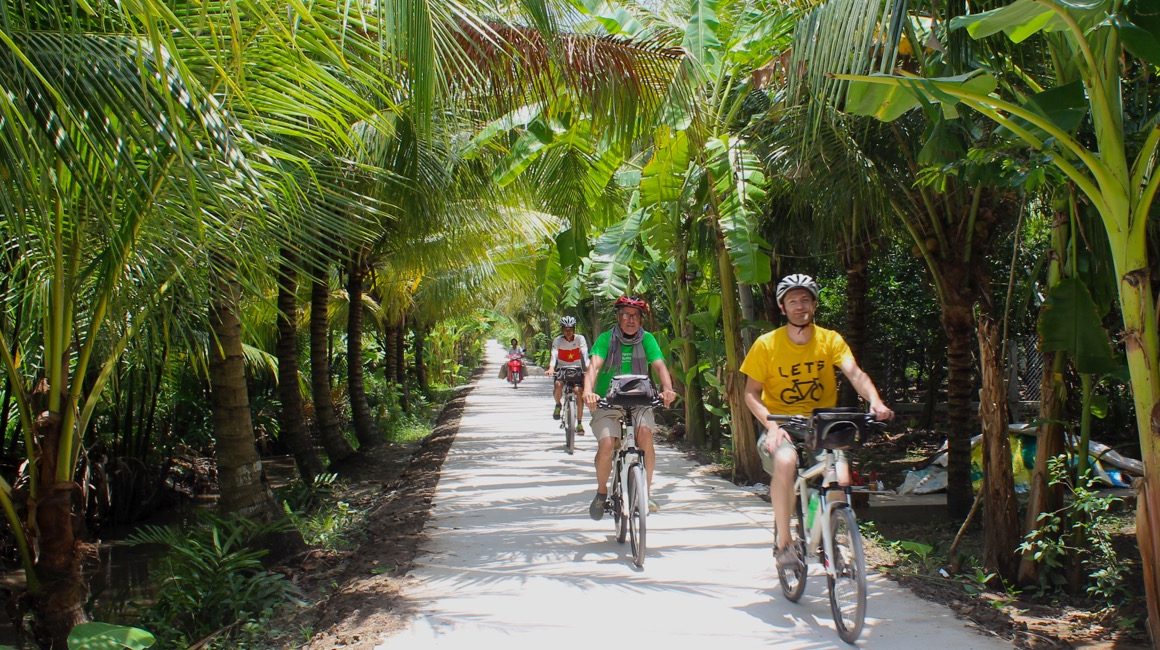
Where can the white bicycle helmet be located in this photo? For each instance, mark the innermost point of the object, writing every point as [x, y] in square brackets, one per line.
[796, 281]
[568, 321]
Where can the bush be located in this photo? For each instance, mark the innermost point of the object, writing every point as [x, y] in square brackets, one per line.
[212, 579]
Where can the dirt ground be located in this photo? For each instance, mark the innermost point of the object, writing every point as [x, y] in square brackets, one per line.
[356, 597]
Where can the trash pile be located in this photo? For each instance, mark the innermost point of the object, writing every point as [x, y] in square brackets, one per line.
[1109, 466]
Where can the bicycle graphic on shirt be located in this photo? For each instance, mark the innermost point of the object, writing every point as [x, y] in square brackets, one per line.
[802, 389]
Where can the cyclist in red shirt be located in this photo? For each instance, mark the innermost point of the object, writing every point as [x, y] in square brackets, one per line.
[569, 350]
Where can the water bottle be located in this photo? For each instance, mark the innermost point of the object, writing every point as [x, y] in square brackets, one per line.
[815, 503]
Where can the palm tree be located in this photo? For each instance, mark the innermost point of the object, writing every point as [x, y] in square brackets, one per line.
[326, 420]
[120, 135]
[292, 416]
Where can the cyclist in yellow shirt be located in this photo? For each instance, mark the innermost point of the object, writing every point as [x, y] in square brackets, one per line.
[790, 371]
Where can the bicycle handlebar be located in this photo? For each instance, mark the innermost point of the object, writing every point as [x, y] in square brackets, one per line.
[654, 403]
[806, 420]
[799, 426]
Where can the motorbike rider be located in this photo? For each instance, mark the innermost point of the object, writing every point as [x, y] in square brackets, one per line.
[517, 352]
[569, 350]
[778, 364]
[632, 351]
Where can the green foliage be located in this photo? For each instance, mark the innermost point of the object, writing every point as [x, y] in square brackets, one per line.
[324, 527]
[1071, 323]
[1079, 530]
[211, 578]
[105, 636]
[300, 496]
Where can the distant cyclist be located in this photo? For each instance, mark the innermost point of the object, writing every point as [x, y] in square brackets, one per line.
[569, 350]
[630, 350]
[791, 371]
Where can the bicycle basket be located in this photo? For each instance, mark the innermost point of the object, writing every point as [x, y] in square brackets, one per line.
[631, 390]
[837, 428]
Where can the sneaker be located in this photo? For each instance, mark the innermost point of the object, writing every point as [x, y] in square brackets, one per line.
[652, 505]
[556, 412]
[579, 429]
[788, 557]
[596, 508]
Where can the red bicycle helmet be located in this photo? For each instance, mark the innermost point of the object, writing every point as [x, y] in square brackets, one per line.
[631, 301]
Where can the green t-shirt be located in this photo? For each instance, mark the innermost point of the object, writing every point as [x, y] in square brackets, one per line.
[652, 352]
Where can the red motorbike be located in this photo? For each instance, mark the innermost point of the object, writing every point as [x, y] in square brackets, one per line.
[515, 367]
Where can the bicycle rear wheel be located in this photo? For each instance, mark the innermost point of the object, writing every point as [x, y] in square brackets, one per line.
[793, 579]
[848, 580]
[637, 512]
[569, 421]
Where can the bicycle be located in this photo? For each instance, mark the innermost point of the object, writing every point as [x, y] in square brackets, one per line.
[833, 536]
[571, 377]
[628, 496]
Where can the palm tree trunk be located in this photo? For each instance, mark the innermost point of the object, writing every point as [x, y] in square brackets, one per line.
[325, 418]
[242, 483]
[59, 590]
[1043, 497]
[401, 365]
[748, 315]
[292, 417]
[389, 354]
[364, 426]
[693, 396]
[958, 324]
[1000, 511]
[857, 287]
[420, 363]
[746, 462]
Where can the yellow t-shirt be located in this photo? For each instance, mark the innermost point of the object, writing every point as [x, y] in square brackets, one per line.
[796, 379]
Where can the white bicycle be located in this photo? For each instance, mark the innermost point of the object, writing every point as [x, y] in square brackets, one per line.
[628, 496]
[823, 525]
[571, 378]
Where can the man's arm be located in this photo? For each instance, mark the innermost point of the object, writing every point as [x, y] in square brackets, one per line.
[775, 435]
[865, 387]
[667, 393]
[594, 364]
[552, 362]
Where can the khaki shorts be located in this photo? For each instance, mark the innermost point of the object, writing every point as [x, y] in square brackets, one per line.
[606, 422]
[767, 458]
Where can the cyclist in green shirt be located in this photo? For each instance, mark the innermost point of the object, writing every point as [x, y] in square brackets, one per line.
[638, 352]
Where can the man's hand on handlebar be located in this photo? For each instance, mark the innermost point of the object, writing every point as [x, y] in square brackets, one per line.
[881, 412]
[667, 396]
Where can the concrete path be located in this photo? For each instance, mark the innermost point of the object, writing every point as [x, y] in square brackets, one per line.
[515, 562]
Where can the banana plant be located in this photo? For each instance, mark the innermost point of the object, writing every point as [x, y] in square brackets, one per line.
[1118, 174]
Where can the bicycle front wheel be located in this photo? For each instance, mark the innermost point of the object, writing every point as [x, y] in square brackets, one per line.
[569, 423]
[793, 578]
[618, 507]
[637, 512]
[848, 579]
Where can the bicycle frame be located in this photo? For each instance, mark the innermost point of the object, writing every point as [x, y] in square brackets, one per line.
[841, 553]
[820, 533]
[627, 455]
